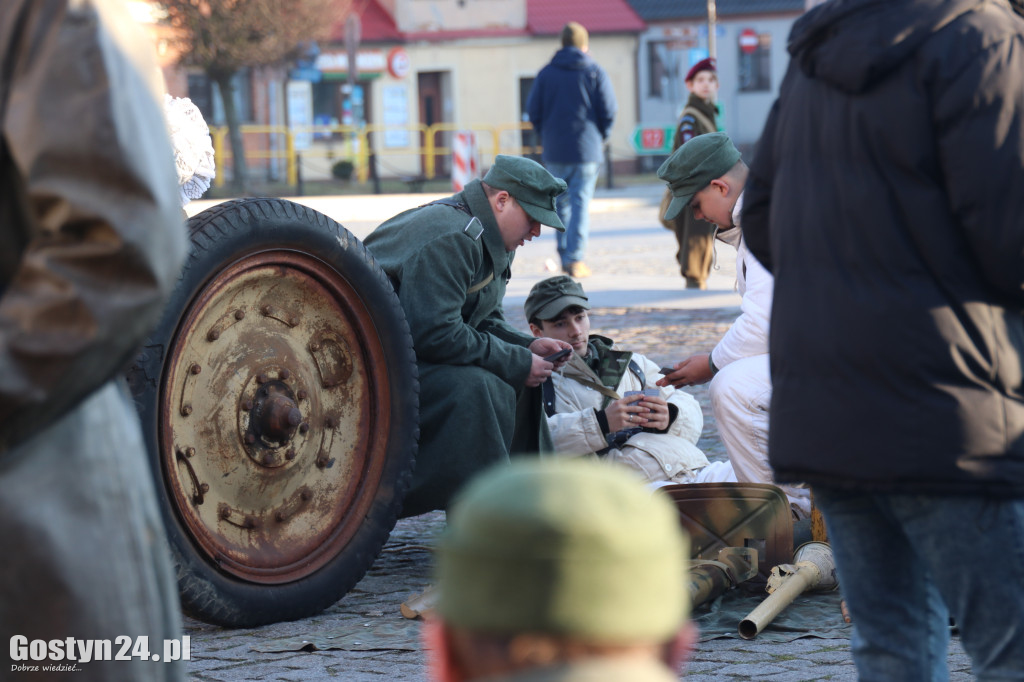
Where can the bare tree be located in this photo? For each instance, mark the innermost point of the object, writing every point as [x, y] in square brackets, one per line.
[224, 36]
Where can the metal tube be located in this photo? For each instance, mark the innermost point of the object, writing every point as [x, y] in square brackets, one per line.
[806, 576]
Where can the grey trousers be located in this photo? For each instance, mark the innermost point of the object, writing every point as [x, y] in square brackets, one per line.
[82, 547]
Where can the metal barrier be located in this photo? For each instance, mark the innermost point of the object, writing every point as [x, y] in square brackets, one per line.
[356, 145]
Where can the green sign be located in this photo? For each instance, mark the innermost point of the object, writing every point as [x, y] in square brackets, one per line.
[653, 139]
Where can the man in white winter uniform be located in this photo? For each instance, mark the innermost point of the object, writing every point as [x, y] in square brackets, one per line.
[707, 174]
[589, 406]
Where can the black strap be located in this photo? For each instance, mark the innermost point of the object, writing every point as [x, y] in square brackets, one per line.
[639, 373]
[450, 201]
[547, 390]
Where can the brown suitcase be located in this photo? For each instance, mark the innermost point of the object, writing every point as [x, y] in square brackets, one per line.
[718, 515]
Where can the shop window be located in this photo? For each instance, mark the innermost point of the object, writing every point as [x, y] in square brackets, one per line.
[206, 95]
[755, 66]
[657, 73]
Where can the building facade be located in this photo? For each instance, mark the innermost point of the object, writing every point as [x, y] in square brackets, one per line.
[749, 46]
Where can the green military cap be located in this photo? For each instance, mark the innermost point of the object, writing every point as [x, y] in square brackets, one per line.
[551, 296]
[694, 165]
[532, 186]
[563, 546]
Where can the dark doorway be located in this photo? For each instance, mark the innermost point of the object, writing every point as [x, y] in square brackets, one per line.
[431, 97]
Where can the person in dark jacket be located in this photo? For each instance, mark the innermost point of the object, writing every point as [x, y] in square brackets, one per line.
[572, 107]
[885, 196]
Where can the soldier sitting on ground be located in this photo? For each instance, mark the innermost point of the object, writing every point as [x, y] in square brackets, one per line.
[449, 262]
[560, 570]
[587, 403]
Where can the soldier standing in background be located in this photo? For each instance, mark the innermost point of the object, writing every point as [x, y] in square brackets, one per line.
[696, 237]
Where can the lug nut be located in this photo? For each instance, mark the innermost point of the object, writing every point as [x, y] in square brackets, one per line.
[314, 346]
[267, 310]
[268, 458]
[261, 379]
[204, 488]
[284, 374]
[239, 314]
[195, 368]
[190, 452]
[213, 335]
[250, 438]
[247, 405]
[290, 454]
[300, 394]
[303, 427]
[186, 410]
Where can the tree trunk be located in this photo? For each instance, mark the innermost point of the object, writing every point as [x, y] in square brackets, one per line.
[226, 85]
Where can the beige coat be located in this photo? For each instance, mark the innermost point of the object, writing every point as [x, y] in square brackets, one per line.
[91, 241]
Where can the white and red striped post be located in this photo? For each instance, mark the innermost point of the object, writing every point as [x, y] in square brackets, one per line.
[465, 160]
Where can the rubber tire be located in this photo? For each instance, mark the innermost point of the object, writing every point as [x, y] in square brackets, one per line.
[221, 235]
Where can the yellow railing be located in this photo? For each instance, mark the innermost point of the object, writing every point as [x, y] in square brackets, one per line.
[280, 144]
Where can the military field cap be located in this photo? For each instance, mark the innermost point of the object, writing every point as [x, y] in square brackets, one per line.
[694, 165]
[565, 547]
[551, 296]
[530, 184]
[707, 64]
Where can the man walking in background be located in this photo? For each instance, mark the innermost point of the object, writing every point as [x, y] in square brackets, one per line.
[572, 107]
[885, 198]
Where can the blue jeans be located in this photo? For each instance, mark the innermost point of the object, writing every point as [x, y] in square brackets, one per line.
[908, 562]
[573, 207]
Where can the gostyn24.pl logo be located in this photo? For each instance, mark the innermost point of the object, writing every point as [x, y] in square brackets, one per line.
[66, 654]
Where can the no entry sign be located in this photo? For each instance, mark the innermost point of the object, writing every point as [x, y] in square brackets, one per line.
[748, 40]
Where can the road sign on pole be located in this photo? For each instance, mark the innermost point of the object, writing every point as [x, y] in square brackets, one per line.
[650, 139]
[748, 40]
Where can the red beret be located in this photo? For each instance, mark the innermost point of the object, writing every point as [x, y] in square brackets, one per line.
[707, 64]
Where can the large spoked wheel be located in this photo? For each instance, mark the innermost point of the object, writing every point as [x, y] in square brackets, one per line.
[279, 400]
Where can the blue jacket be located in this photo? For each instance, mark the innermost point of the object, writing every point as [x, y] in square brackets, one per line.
[572, 107]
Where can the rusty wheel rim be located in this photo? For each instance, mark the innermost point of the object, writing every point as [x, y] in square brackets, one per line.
[274, 413]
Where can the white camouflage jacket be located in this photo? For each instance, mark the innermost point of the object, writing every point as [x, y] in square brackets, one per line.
[576, 431]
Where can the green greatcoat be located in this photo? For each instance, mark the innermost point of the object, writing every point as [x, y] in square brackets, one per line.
[449, 265]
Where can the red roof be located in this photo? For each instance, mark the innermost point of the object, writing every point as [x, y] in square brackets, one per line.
[547, 17]
[377, 24]
[543, 17]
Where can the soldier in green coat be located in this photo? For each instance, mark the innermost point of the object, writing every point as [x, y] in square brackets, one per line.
[449, 262]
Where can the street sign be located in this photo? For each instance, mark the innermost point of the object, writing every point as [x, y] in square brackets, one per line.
[653, 139]
[748, 40]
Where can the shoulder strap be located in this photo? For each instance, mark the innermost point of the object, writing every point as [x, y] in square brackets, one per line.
[701, 118]
[639, 373]
[547, 390]
[480, 285]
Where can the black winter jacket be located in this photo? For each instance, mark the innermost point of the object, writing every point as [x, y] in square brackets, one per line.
[887, 197]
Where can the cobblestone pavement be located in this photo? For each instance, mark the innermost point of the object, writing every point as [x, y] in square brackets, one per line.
[631, 255]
